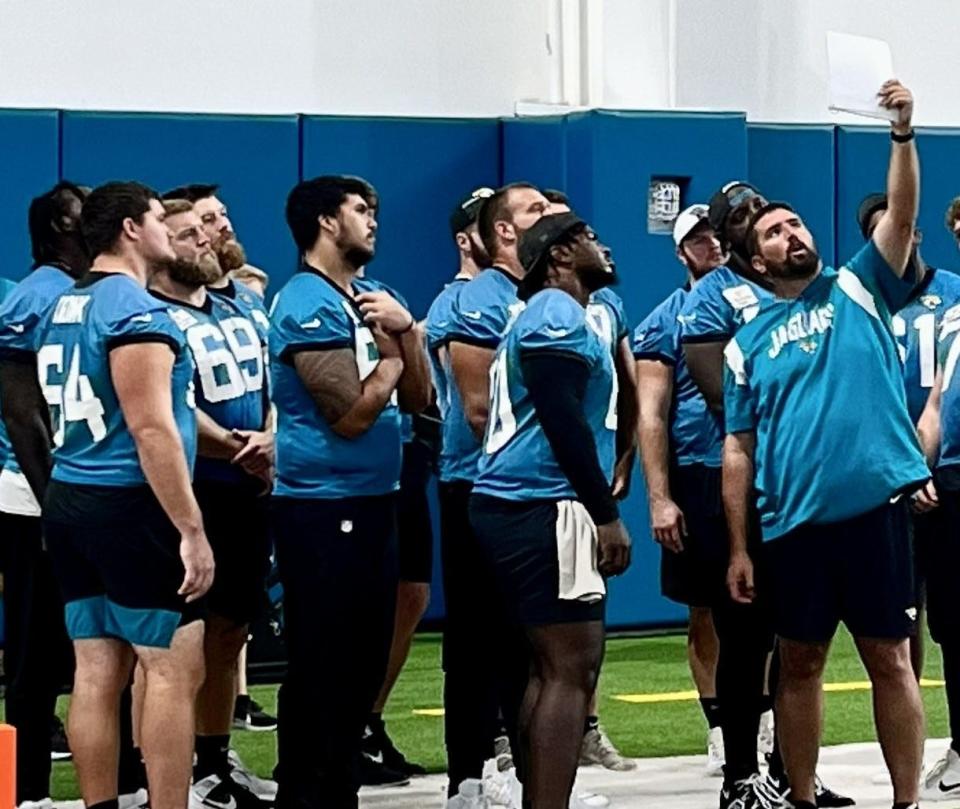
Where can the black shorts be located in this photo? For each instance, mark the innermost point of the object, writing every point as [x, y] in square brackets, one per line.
[116, 556]
[235, 520]
[697, 575]
[858, 571]
[520, 540]
[414, 531]
[938, 552]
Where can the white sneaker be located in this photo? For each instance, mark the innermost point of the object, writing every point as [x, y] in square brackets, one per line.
[588, 800]
[132, 800]
[766, 735]
[263, 788]
[943, 780]
[44, 803]
[715, 753]
[596, 748]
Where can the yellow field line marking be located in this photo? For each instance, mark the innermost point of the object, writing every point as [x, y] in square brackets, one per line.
[685, 696]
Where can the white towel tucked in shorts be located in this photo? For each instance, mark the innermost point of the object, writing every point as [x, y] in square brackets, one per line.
[577, 554]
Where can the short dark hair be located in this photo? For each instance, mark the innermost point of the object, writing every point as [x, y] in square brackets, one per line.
[321, 196]
[192, 191]
[105, 209]
[43, 219]
[493, 210]
[557, 197]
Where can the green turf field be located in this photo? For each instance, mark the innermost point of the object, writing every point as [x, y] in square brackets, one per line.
[632, 666]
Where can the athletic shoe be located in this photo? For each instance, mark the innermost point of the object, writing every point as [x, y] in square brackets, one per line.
[263, 788]
[502, 753]
[826, 797]
[59, 746]
[44, 803]
[598, 749]
[376, 741]
[374, 773]
[750, 793]
[217, 792]
[588, 800]
[715, 754]
[248, 714]
[765, 737]
[943, 780]
[133, 800]
[501, 788]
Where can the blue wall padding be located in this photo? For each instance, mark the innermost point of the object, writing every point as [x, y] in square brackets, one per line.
[863, 154]
[29, 143]
[254, 158]
[421, 167]
[795, 164]
[604, 161]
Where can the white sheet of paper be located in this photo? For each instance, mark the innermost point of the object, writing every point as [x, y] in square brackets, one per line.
[858, 68]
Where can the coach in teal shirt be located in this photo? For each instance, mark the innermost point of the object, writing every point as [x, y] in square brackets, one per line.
[817, 423]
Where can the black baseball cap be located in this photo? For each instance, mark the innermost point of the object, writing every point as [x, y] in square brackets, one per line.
[726, 199]
[870, 204]
[535, 245]
[467, 210]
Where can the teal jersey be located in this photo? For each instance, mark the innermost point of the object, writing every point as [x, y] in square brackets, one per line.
[819, 379]
[248, 301]
[21, 316]
[229, 354]
[101, 312]
[459, 448]
[948, 352]
[607, 310]
[517, 462]
[6, 287]
[695, 436]
[484, 308]
[311, 313]
[719, 305]
[916, 327]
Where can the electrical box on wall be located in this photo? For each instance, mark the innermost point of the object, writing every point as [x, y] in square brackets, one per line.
[664, 202]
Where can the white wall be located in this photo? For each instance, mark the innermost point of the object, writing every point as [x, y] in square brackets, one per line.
[462, 57]
[768, 57]
[388, 57]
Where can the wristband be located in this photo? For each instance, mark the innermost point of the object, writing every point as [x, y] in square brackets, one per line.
[902, 138]
[413, 322]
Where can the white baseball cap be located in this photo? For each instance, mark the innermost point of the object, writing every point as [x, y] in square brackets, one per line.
[687, 220]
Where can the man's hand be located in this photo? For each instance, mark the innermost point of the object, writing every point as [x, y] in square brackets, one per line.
[925, 498]
[894, 96]
[257, 453]
[613, 548]
[740, 579]
[667, 523]
[383, 310]
[197, 558]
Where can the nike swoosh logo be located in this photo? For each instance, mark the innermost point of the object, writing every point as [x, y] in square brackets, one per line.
[17, 327]
[555, 333]
[476, 315]
[311, 324]
[142, 318]
[947, 787]
[378, 758]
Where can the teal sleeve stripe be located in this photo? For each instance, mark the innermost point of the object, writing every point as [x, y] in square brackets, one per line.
[98, 617]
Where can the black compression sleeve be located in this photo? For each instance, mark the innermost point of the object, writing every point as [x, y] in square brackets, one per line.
[557, 383]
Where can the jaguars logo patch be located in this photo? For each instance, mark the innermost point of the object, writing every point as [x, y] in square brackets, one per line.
[931, 301]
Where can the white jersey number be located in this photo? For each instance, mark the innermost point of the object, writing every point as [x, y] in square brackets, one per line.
[72, 399]
[502, 422]
[926, 326]
[218, 354]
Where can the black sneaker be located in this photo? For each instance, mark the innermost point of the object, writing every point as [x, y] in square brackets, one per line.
[749, 793]
[249, 715]
[376, 740]
[374, 773]
[221, 792]
[826, 797]
[59, 746]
